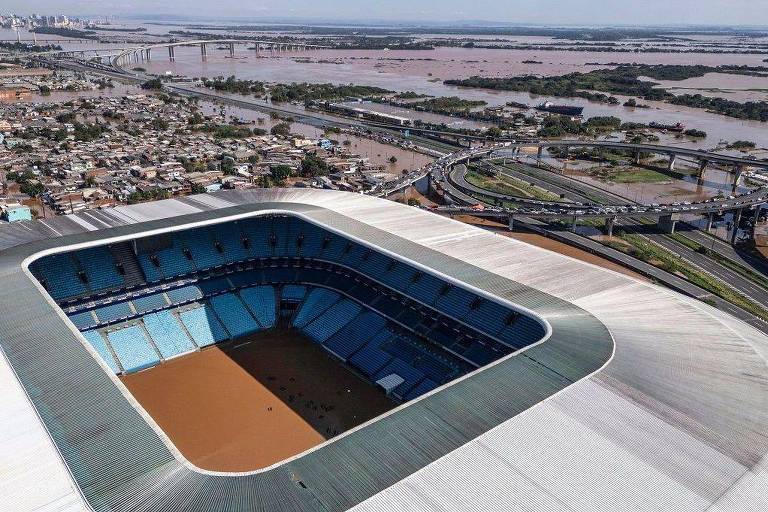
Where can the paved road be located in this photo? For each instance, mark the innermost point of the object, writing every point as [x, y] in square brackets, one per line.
[577, 191]
[735, 280]
[756, 263]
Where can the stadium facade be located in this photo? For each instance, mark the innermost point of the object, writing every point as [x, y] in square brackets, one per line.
[558, 386]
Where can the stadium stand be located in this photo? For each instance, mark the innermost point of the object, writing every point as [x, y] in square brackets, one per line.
[370, 359]
[293, 293]
[59, 275]
[381, 316]
[355, 334]
[150, 303]
[132, 348]
[170, 339]
[234, 315]
[114, 312]
[203, 326]
[261, 301]
[330, 321]
[317, 301]
[96, 340]
[100, 269]
[84, 320]
[184, 294]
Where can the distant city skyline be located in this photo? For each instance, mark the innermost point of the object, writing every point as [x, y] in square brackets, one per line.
[550, 12]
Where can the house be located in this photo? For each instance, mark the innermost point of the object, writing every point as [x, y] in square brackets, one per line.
[14, 212]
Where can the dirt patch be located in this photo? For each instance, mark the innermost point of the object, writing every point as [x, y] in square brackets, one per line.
[549, 244]
[573, 252]
[255, 402]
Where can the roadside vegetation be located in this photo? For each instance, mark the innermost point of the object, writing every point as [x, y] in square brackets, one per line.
[638, 247]
[508, 185]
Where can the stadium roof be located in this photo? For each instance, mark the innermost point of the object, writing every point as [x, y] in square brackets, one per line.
[640, 399]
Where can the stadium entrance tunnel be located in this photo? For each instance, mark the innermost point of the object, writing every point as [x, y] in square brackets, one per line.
[233, 336]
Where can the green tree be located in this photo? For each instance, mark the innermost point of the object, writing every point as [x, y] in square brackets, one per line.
[281, 129]
[312, 165]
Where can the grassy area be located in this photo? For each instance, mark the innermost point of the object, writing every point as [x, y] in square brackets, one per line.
[509, 186]
[638, 247]
[743, 271]
[628, 175]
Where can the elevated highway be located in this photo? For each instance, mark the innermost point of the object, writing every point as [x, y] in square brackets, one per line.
[450, 174]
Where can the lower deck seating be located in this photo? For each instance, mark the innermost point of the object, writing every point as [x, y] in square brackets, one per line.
[96, 340]
[184, 294]
[233, 314]
[168, 335]
[150, 303]
[370, 359]
[84, 321]
[317, 301]
[293, 293]
[261, 302]
[133, 348]
[203, 326]
[355, 334]
[330, 321]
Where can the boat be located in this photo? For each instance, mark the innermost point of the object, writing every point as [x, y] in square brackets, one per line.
[565, 110]
[677, 127]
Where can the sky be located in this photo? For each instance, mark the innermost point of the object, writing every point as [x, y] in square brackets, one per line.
[577, 12]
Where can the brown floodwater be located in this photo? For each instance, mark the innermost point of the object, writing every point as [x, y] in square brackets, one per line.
[424, 72]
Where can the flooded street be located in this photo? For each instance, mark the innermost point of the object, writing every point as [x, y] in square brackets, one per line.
[423, 71]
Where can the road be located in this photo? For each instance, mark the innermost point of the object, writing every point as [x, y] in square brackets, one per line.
[577, 191]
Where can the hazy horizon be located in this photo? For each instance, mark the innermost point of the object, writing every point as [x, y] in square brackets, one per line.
[544, 12]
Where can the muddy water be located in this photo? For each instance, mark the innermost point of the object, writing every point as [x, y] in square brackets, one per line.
[376, 152]
[424, 72]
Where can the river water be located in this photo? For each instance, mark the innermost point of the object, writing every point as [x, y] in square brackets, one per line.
[424, 72]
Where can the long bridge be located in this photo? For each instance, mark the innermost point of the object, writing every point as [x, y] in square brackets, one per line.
[142, 53]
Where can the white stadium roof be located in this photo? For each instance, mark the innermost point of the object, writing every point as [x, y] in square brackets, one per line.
[676, 419]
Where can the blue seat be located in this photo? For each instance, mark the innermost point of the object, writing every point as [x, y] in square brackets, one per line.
[355, 334]
[455, 302]
[216, 285]
[184, 294]
[170, 339]
[133, 348]
[149, 303]
[370, 359]
[329, 322]
[258, 231]
[293, 293]
[96, 340]
[151, 272]
[234, 315]
[481, 354]
[200, 244]
[84, 320]
[203, 326]
[100, 268]
[317, 301]
[261, 301]
[114, 312]
[231, 240]
[60, 275]
[522, 332]
[399, 367]
[425, 289]
[422, 388]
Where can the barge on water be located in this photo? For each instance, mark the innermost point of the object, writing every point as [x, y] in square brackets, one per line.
[564, 110]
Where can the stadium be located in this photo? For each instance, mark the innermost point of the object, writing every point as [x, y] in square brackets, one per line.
[301, 350]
